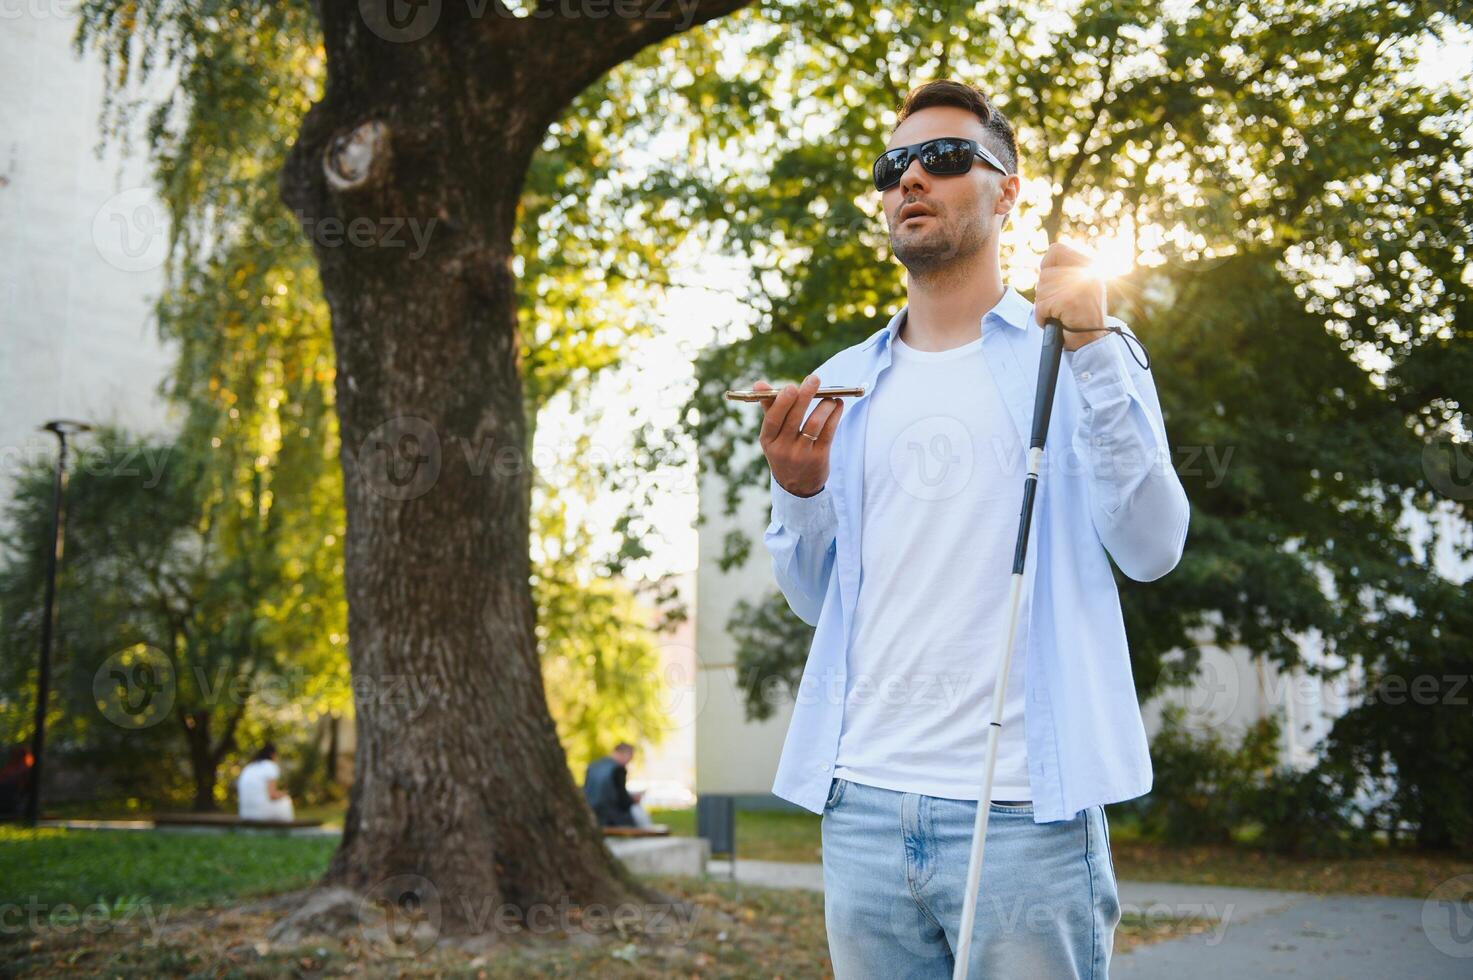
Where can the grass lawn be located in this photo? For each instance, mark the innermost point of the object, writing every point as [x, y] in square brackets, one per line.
[784, 836]
[149, 904]
[80, 867]
[779, 835]
[1393, 873]
[763, 835]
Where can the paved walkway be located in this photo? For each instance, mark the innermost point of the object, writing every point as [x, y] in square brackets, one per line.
[1254, 933]
[1344, 937]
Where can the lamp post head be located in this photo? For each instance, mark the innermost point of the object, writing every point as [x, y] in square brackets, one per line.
[66, 427]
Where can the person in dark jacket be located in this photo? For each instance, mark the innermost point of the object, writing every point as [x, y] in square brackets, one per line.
[604, 787]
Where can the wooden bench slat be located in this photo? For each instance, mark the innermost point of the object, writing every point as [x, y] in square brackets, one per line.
[227, 820]
[659, 830]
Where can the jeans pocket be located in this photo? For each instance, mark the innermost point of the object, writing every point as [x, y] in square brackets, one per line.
[836, 792]
[1108, 894]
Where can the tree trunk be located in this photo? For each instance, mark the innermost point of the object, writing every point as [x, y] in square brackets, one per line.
[330, 782]
[461, 782]
[203, 764]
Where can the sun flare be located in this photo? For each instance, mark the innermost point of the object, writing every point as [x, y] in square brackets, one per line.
[1114, 257]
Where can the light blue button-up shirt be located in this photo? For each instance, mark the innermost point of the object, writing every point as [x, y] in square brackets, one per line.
[1107, 490]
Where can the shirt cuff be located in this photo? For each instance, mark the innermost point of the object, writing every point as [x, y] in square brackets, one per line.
[803, 513]
[1099, 370]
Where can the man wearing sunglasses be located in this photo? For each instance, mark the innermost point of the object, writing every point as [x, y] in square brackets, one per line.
[893, 530]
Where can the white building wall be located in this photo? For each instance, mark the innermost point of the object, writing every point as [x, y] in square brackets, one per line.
[733, 756]
[664, 763]
[81, 251]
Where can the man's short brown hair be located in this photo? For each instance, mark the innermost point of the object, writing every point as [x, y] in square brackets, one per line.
[944, 92]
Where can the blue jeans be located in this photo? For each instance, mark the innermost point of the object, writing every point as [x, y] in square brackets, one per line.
[895, 870]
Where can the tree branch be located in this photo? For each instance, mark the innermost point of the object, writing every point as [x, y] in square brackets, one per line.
[587, 47]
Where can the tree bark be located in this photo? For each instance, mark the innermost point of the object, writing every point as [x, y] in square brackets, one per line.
[203, 763]
[330, 765]
[461, 783]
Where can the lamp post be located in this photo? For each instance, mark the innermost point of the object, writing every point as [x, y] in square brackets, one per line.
[61, 428]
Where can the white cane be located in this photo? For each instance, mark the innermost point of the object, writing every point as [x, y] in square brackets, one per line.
[1048, 377]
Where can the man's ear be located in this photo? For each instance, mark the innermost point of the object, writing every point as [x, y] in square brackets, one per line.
[1012, 186]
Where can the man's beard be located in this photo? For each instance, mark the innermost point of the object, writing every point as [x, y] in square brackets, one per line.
[938, 247]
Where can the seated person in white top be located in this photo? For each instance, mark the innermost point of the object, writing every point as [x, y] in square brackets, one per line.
[260, 796]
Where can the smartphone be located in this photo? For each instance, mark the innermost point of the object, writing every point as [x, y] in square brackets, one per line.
[753, 395]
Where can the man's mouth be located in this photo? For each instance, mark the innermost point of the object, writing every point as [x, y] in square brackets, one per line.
[911, 211]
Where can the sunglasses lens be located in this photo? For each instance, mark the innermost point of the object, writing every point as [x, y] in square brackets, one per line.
[946, 156]
[889, 168]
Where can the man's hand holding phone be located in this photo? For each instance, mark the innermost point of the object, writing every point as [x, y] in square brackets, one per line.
[797, 449]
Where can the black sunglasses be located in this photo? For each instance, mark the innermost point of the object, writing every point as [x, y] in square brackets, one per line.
[946, 156]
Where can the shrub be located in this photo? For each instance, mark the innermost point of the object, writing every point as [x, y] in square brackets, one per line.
[1310, 813]
[1205, 788]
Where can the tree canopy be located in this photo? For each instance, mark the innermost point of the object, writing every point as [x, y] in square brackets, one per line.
[1292, 203]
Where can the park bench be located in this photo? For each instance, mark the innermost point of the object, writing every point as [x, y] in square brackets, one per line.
[658, 830]
[228, 820]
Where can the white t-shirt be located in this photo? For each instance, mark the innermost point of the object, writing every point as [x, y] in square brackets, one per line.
[943, 486]
[252, 785]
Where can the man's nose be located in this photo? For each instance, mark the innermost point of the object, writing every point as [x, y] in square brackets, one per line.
[915, 176]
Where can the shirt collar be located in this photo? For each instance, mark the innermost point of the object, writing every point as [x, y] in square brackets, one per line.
[1013, 309]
